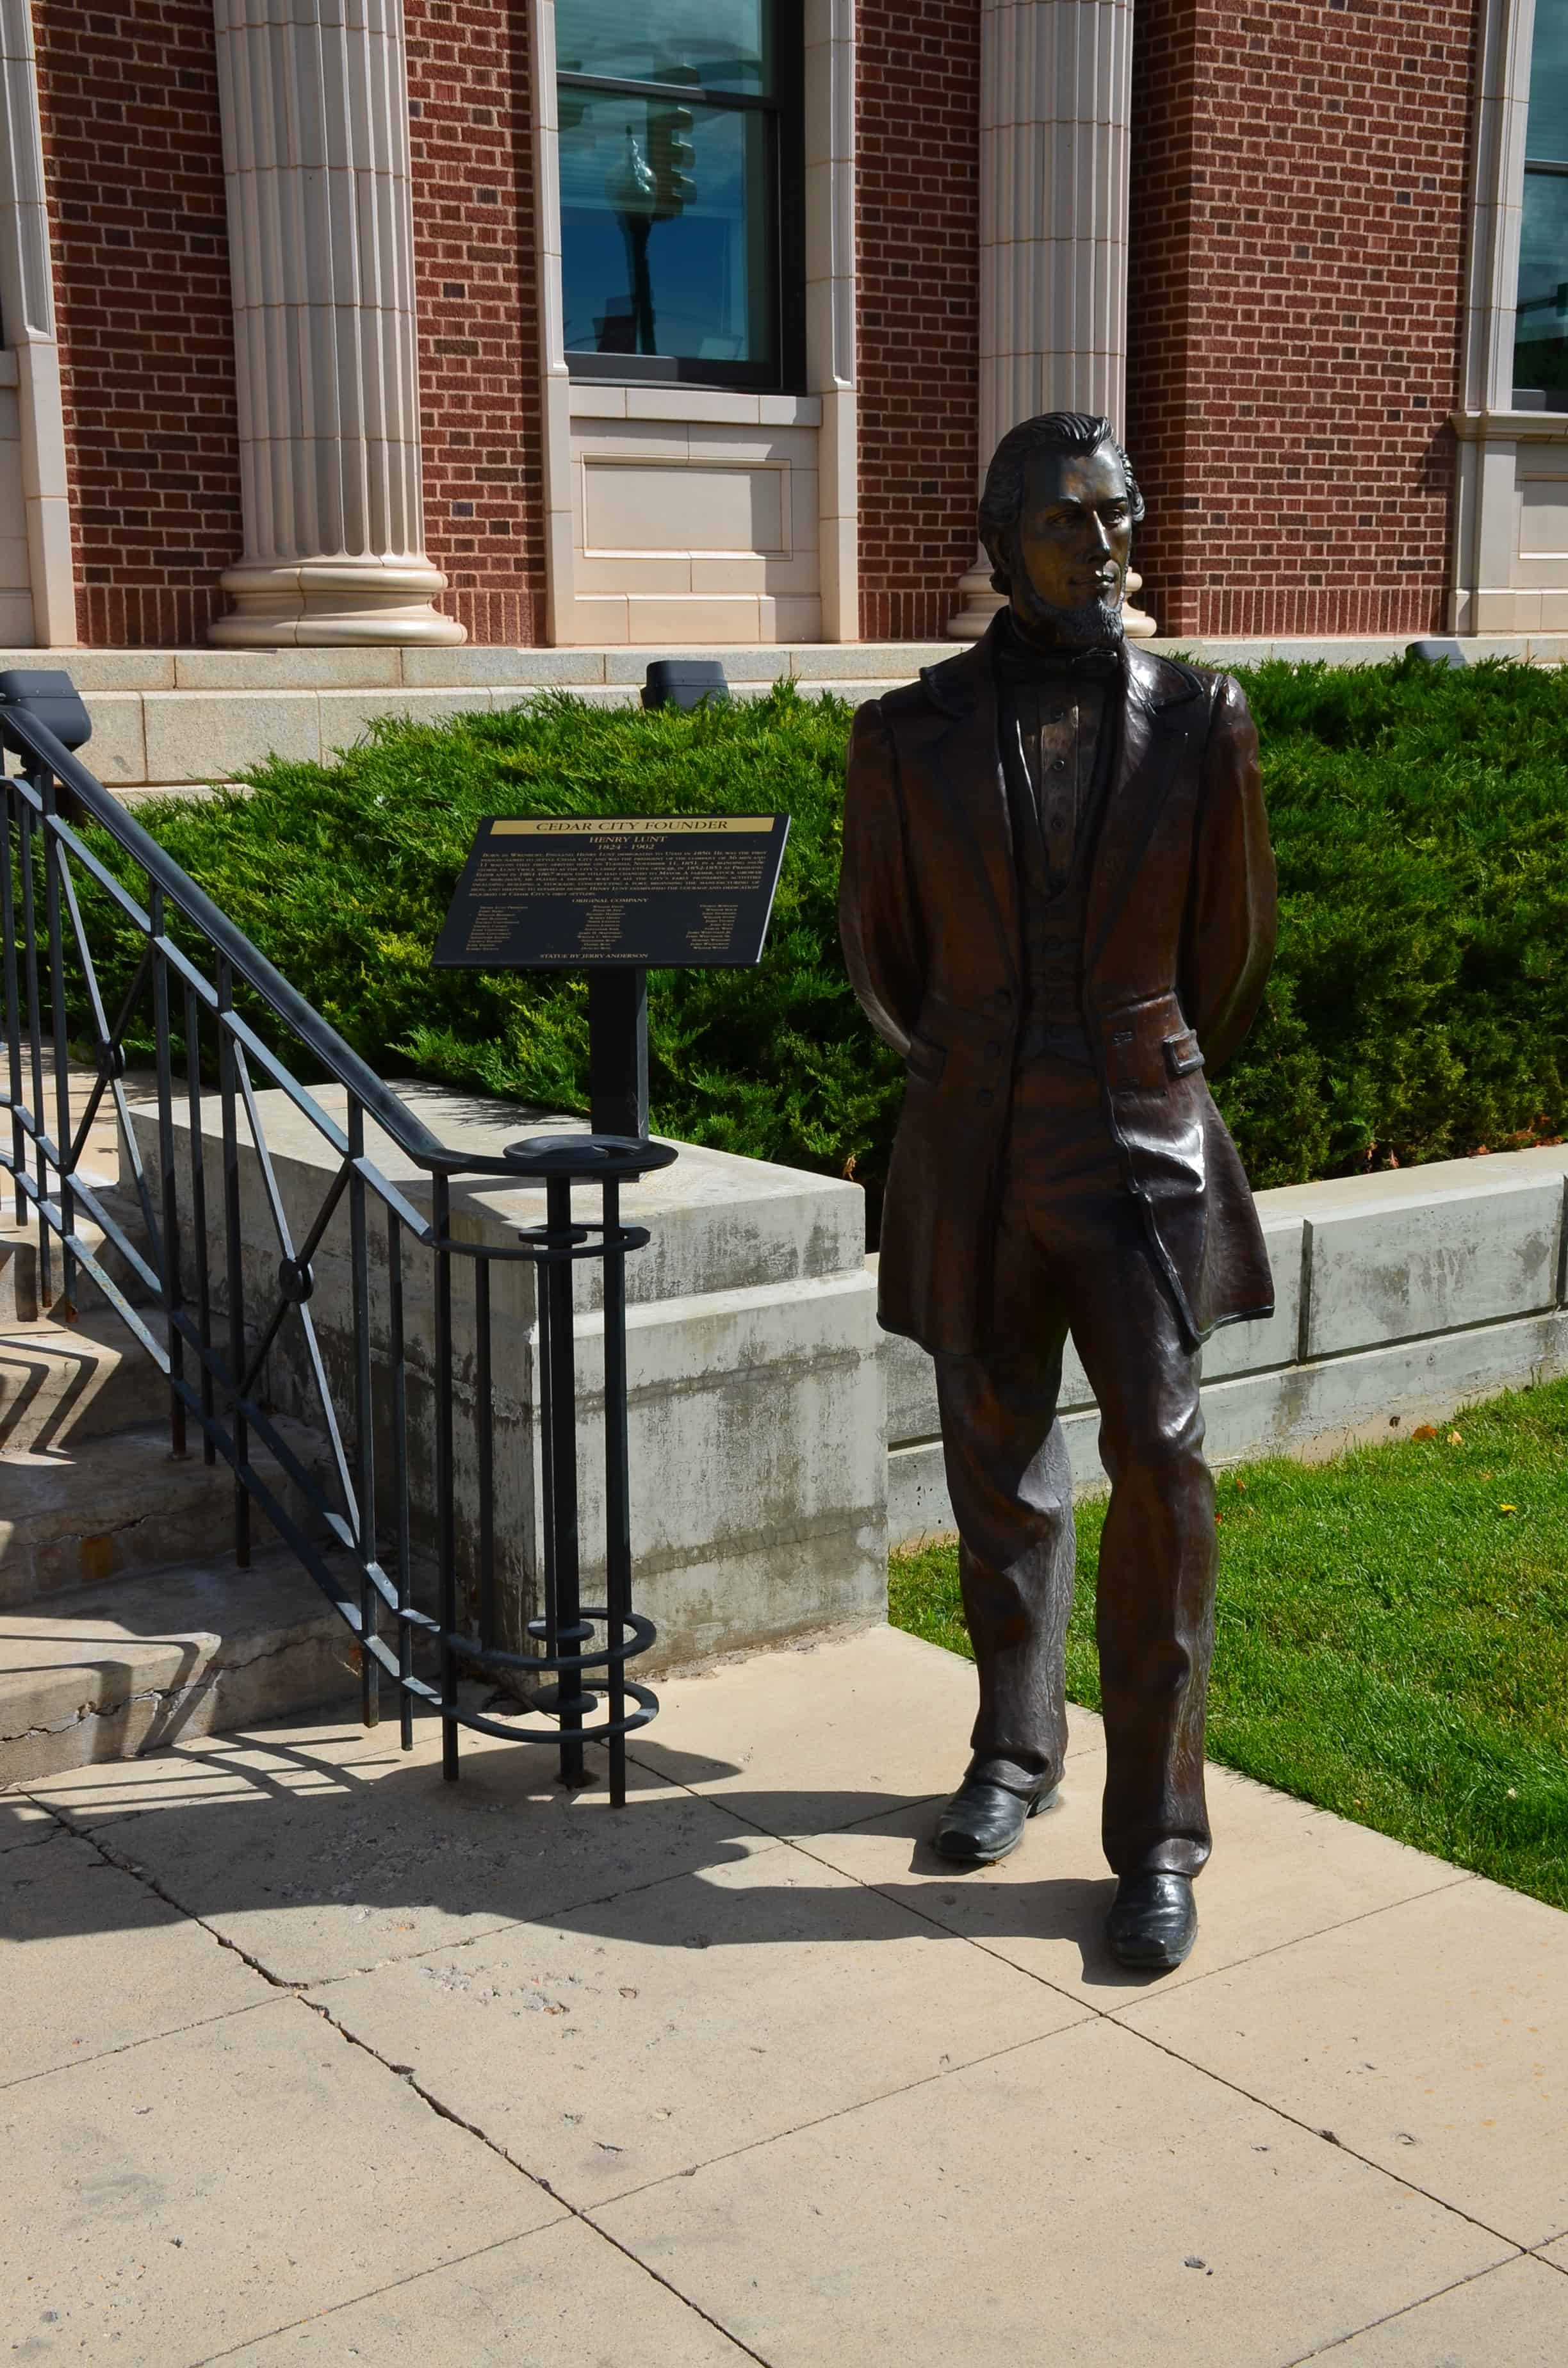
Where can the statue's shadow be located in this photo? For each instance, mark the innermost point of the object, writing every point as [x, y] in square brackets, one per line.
[267, 1826]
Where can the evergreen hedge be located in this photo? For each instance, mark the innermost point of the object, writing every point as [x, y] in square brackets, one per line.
[1418, 1007]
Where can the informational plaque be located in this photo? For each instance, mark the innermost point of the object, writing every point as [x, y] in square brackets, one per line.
[653, 892]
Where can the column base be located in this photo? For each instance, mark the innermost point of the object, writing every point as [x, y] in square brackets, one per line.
[1136, 623]
[977, 604]
[334, 603]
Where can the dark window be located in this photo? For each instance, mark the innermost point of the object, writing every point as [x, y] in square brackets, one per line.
[682, 227]
[1541, 327]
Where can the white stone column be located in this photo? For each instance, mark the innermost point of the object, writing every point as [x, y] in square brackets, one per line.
[830, 305]
[27, 306]
[1055, 100]
[314, 100]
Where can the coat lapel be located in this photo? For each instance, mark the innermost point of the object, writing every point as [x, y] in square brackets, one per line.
[967, 768]
[1154, 733]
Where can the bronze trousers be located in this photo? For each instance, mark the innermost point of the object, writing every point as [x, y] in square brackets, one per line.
[1074, 1258]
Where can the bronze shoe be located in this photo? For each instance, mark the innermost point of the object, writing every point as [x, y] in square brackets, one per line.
[1153, 1922]
[984, 1819]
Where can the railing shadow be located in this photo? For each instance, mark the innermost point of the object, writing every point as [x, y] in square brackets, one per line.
[319, 1858]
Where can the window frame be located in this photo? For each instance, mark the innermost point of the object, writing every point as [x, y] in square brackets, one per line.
[1543, 168]
[786, 169]
[1551, 398]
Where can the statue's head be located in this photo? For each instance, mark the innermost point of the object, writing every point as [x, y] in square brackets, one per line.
[1056, 517]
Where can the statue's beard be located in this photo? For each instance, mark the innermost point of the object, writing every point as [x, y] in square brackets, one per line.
[1094, 624]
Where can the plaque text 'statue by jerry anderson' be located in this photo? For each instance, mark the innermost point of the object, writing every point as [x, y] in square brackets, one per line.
[659, 891]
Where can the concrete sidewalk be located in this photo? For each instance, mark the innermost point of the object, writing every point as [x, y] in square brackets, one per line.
[310, 2057]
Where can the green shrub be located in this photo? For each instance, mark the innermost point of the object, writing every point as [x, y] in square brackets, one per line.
[1418, 1007]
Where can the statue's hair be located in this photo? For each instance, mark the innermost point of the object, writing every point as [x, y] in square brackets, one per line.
[1002, 503]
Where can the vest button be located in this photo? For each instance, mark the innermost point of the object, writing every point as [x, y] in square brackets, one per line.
[985, 1098]
[1059, 764]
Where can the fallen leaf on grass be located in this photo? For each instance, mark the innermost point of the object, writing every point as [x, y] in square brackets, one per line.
[1456, 1438]
[1425, 1431]
[1507, 1508]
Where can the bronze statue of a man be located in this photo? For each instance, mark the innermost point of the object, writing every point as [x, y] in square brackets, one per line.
[1058, 905]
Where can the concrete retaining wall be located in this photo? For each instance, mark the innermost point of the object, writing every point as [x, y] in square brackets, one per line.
[779, 1442]
[757, 1434]
[1398, 1296]
[168, 718]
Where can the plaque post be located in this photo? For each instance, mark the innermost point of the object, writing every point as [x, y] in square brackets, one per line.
[618, 1052]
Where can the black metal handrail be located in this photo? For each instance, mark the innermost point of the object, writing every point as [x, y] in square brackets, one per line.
[214, 1376]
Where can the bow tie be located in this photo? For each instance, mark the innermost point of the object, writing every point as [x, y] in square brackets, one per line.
[1020, 661]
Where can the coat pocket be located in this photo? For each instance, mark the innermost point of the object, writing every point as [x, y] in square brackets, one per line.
[1183, 1054]
[1142, 1045]
[925, 1060]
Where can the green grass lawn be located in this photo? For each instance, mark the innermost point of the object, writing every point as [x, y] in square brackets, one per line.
[1392, 1640]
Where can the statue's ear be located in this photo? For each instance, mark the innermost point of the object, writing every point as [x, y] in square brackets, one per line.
[997, 553]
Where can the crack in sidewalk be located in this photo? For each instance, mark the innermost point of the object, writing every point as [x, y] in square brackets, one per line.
[405, 2073]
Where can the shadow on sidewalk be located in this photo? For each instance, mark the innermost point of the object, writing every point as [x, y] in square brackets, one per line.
[323, 1832]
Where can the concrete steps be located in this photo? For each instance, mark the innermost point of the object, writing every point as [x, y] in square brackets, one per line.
[124, 1621]
[111, 1672]
[60, 1382]
[23, 1298]
[117, 1505]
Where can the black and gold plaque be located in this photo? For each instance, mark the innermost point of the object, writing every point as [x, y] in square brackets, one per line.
[653, 892]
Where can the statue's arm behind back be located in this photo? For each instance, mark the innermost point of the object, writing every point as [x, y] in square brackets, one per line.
[877, 924]
[1230, 920]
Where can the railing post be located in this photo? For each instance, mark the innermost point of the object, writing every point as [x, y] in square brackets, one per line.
[13, 998]
[571, 1629]
[35, 1045]
[400, 1476]
[233, 1253]
[199, 1217]
[484, 1442]
[364, 1434]
[618, 1484]
[61, 1037]
[174, 1299]
[446, 1508]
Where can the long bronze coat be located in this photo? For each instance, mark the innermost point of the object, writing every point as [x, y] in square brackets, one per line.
[1178, 944]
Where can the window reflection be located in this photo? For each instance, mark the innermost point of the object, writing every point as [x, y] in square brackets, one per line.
[721, 45]
[1540, 329]
[669, 170]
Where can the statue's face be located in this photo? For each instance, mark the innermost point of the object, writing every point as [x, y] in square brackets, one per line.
[1071, 546]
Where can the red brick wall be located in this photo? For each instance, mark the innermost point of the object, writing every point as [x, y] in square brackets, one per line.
[1298, 236]
[478, 301]
[134, 165]
[918, 167]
